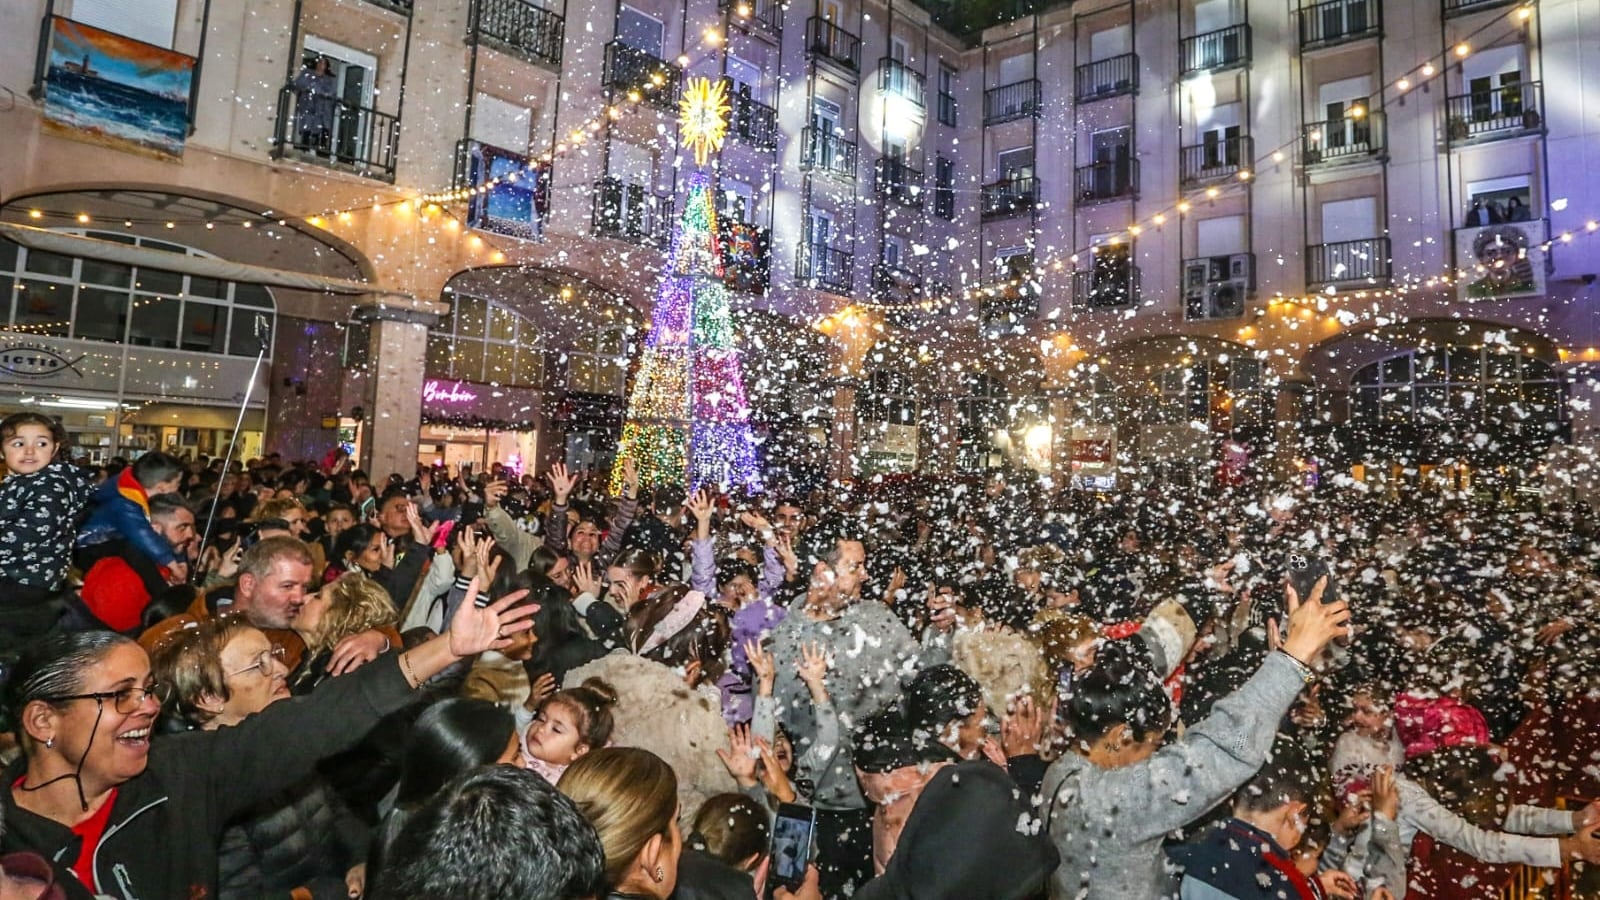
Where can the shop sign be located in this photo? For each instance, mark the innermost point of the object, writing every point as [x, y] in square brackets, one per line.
[438, 392]
[35, 361]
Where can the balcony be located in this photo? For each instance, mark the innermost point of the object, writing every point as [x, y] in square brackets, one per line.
[1504, 112]
[1007, 304]
[746, 256]
[330, 132]
[832, 44]
[1216, 51]
[1101, 182]
[519, 28]
[1339, 22]
[1215, 160]
[897, 79]
[1009, 198]
[829, 154]
[754, 122]
[1114, 286]
[895, 284]
[899, 182]
[628, 212]
[631, 71]
[1364, 261]
[947, 109]
[1454, 8]
[1020, 100]
[403, 7]
[764, 14]
[1348, 140]
[825, 269]
[1107, 78]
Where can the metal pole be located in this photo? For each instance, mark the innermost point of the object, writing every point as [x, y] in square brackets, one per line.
[261, 333]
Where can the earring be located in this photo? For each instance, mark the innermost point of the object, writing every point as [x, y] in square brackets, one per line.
[50, 743]
[661, 874]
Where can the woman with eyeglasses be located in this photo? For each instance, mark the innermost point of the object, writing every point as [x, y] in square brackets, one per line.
[120, 816]
[304, 838]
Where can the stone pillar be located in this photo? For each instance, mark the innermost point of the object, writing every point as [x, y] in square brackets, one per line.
[842, 439]
[393, 399]
[1286, 437]
[1060, 420]
[938, 439]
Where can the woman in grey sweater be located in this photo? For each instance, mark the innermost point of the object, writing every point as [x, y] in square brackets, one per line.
[1122, 787]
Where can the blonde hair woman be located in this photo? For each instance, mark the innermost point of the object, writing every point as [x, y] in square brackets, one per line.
[631, 798]
[348, 605]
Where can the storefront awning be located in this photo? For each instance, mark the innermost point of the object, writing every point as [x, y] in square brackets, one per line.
[207, 267]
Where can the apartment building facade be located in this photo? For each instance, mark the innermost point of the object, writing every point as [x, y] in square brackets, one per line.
[1107, 232]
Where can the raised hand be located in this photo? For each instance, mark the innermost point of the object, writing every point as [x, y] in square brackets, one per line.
[813, 669]
[741, 756]
[701, 506]
[583, 579]
[561, 482]
[493, 492]
[762, 663]
[469, 554]
[1022, 729]
[773, 778]
[474, 629]
[1386, 794]
[630, 477]
[1313, 624]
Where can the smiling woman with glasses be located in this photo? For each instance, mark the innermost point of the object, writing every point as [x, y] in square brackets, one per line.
[119, 815]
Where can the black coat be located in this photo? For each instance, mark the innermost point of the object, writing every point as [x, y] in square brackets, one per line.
[304, 838]
[166, 823]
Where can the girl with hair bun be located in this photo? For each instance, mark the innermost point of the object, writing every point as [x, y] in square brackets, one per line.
[569, 724]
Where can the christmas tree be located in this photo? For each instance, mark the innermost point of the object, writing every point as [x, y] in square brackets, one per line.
[688, 419]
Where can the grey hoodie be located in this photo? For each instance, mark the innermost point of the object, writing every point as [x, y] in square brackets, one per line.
[871, 654]
[1108, 823]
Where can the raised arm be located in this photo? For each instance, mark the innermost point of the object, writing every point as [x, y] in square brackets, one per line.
[555, 524]
[627, 508]
[248, 763]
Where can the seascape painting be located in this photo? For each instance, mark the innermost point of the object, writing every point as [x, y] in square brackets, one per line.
[116, 91]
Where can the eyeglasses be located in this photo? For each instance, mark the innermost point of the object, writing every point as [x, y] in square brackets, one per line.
[126, 700]
[262, 663]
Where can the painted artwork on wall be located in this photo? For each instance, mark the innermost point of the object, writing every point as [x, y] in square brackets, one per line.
[115, 91]
[1501, 261]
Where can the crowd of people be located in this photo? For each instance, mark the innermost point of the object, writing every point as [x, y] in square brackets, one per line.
[288, 680]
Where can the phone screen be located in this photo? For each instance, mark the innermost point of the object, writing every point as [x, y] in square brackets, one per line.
[792, 834]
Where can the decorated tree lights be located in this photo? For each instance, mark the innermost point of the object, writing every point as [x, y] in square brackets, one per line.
[688, 419]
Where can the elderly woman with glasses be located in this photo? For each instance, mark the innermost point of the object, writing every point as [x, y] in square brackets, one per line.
[304, 839]
[119, 815]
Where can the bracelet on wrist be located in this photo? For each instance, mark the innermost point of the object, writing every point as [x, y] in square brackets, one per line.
[1305, 671]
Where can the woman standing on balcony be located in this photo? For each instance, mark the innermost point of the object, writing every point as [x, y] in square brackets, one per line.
[316, 99]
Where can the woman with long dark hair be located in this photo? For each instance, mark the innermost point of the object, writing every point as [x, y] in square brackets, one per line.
[451, 737]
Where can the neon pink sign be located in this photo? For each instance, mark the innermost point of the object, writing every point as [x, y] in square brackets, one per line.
[435, 392]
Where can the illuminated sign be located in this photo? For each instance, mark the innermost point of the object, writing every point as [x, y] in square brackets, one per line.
[436, 392]
[34, 361]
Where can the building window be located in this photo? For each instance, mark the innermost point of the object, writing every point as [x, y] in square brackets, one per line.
[944, 188]
[486, 343]
[1492, 389]
[887, 399]
[598, 363]
[947, 95]
[93, 300]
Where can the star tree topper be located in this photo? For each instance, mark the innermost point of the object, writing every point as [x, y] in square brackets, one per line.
[703, 116]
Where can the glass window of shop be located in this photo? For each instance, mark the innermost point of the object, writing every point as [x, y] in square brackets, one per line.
[484, 342]
[598, 362]
[93, 300]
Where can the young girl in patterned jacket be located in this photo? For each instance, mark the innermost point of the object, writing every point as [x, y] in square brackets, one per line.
[41, 501]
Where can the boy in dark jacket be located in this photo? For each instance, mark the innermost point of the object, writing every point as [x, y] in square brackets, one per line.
[122, 509]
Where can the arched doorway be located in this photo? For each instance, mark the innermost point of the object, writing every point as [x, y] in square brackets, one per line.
[1452, 405]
